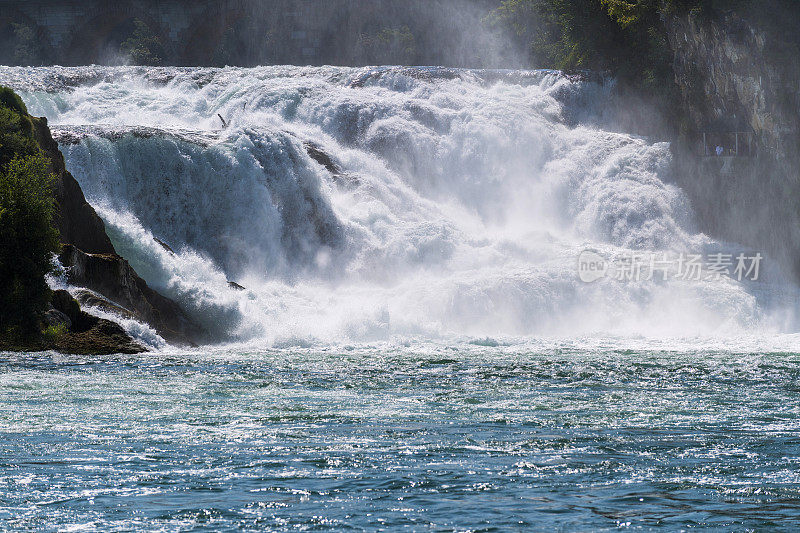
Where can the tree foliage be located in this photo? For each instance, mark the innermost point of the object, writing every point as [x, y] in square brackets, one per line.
[28, 241]
[389, 46]
[627, 37]
[16, 128]
[622, 36]
[143, 46]
[27, 236]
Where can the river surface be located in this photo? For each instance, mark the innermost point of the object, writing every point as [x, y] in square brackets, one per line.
[569, 436]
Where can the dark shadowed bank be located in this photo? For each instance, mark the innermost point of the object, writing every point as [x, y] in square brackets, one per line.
[33, 318]
[251, 32]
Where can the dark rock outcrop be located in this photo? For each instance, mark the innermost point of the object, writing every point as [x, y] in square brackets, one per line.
[317, 154]
[89, 334]
[323, 158]
[92, 262]
[164, 245]
[76, 220]
[88, 298]
[112, 277]
[105, 337]
[63, 302]
[55, 318]
[235, 286]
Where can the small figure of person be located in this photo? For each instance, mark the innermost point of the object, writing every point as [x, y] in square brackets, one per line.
[720, 150]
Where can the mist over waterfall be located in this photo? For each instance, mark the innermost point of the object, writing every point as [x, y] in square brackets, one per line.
[372, 203]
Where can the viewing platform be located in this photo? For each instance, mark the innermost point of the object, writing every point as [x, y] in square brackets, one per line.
[728, 144]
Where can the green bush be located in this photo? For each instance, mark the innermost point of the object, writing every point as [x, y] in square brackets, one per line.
[143, 46]
[52, 333]
[27, 236]
[563, 34]
[11, 100]
[624, 37]
[28, 241]
[16, 128]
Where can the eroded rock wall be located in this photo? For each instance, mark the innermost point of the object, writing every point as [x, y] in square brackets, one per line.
[740, 71]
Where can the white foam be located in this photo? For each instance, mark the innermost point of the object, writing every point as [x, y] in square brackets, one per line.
[463, 203]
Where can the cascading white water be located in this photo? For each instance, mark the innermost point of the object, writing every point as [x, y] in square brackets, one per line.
[362, 204]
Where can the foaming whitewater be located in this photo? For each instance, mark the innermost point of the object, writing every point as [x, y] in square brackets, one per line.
[373, 204]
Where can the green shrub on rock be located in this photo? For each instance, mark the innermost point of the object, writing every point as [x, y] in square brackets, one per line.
[143, 46]
[28, 241]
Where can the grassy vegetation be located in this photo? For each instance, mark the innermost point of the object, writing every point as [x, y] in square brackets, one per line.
[52, 334]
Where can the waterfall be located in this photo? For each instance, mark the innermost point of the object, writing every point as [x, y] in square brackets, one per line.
[375, 203]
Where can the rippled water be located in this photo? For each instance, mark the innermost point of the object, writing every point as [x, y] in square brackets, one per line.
[571, 436]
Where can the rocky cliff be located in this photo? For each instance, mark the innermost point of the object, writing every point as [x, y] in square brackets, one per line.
[76, 220]
[124, 292]
[738, 71]
[92, 263]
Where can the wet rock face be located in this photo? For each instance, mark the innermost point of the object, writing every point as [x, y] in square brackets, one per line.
[88, 298]
[79, 321]
[317, 154]
[56, 318]
[87, 334]
[92, 261]
[94, 264]
[112, 277]
[105, 337]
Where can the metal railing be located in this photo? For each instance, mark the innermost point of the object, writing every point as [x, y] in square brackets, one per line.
[728, 144]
